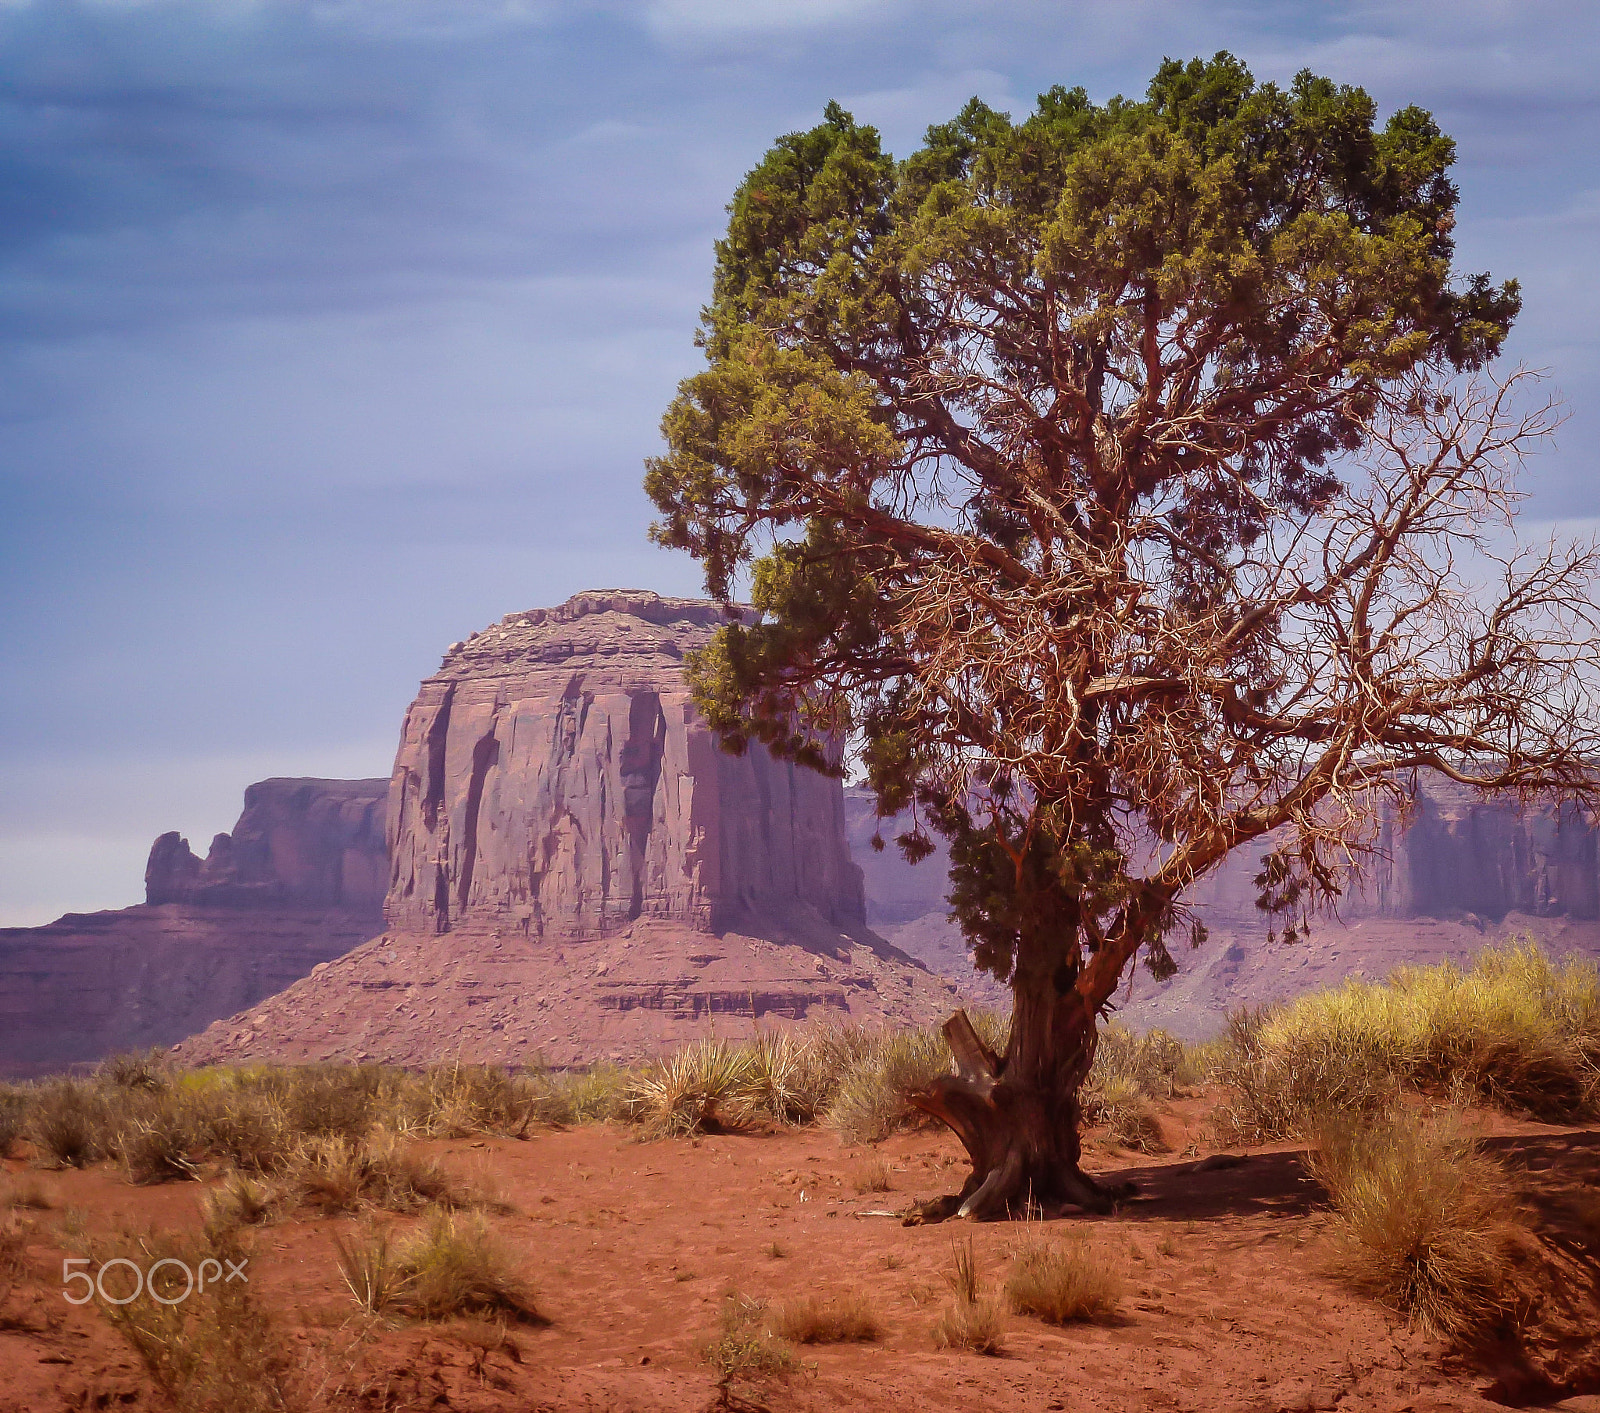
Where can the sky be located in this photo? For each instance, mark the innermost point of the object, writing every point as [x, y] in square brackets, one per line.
[332, 330]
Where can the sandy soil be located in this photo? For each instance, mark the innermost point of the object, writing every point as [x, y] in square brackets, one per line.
[633, 1247]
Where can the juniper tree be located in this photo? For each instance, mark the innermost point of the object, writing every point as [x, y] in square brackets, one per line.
[1109, 477]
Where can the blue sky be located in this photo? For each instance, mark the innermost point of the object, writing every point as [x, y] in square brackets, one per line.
[332, 331]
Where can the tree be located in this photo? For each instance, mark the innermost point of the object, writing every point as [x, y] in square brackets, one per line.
[1111, 479]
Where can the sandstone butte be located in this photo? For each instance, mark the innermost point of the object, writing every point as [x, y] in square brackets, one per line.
[299, 880]
[578, 872]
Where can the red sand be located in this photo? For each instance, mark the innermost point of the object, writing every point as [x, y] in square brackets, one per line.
[632, 1248]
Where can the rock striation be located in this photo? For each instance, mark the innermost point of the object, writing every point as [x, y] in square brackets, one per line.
[1463, 871]
[578, 871]
[298, 881]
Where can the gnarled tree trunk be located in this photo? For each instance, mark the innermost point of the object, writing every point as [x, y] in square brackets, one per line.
[1018, 1114]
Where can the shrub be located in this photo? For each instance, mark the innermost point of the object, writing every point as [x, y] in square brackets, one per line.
[826, 1319]
[744, 1350]
[1062, 1282]
[1118, 1103]
[596, 1095]
[13, 1109]
[27, 1193]
[339, 1175]
[708, 1086]
[871, 1101]
[247, 1129]
[237, 1201]
[457, 1266]
[972, 1320]
[872, 1177]
[156, 1142]
[1514, 1030]
[463, 1099]
[68, 1123]
[368, 1267]
[214, 1352]
[138, 1070]
[1422, 1219]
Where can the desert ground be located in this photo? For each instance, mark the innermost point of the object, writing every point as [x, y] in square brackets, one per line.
[635, 1252]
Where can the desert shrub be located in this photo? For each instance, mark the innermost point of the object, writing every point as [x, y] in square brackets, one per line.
[455, 1266]
[458, 1100]
[872, 1099]
[335, 1101]
[159, 1139]
[137, 1070]
[846, 1318]
[337, 1175]
[595, 1095]
[707, 1086]
[744, 1350]
[872, 1176]
[68, 1123]
[13, 1111]
[368, 1267]
[975, 1325]
[239, 1200]
[213, 1352]
[792, 1077]
[1118, 1103]
[1062, 1281]
[246, 1128]
[1155, 1064]
[1515, 1030]
[1423, 1220]
[1286, 1090]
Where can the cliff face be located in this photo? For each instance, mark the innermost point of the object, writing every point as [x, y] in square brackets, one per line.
[299, 843]
[554, 779]
[298, 882]
[578, 872]
[1464, 871]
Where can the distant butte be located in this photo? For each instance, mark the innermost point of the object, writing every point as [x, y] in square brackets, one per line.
[578, 872]
[299, 880]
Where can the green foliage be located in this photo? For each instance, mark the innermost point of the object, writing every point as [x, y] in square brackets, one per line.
[1093, 355]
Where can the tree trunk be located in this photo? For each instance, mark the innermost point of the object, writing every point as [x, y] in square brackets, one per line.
[1018, 1115]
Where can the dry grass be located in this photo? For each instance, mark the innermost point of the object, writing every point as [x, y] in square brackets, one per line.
[710, 1086]
[1515, 1030]
[744, 1351]
[971, 1320]
[1422, 1220]
[368, 1268]
[239, 1200]
[337, 1175]
[1117, 1103]
[873, 1176]
[214, 1352]
[67, 1123]
[27, 1193]
[826, 1319]
[13, 1108]
[456, 1265]
[1063, 1282]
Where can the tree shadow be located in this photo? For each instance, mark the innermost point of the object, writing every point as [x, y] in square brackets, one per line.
[1229, 1185]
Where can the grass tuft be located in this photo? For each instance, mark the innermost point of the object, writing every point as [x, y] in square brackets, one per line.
[1062, 1282]
[826, 1319]
[1423, 1220]
[457, 1266]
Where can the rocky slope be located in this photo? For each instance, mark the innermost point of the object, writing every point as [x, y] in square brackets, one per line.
[1465, 871]
[578, 872]
[299, 881]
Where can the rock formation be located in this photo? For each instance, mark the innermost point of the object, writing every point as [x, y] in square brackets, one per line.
[299, 881]
[1462, 872]
[577, 871]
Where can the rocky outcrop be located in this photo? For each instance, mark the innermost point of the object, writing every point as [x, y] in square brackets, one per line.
[298, 882]
[578, 871]
[299, 843]
[1462, 871]
[553, 778]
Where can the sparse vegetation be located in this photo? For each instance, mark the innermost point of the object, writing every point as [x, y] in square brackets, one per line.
[214, 1352]
[334, 1174]
[744, 1351]
[26, 1193]
[1515, 1030]
[971, 1320]
[872, 1176]
[1062, 1281]
[1423, 1220]
[813, 1318]
[13, 1108]
[67, 1123]
[456, 1265]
